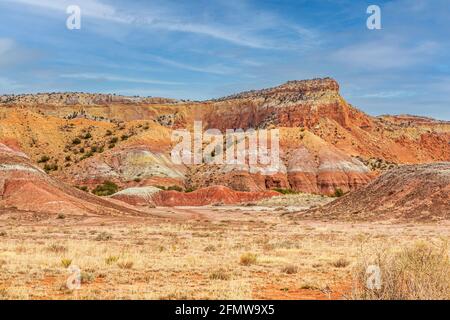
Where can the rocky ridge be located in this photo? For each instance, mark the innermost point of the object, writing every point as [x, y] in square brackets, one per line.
[326, 144]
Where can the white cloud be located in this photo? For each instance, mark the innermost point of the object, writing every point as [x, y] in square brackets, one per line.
[388, 94]
[90, 8]
[5, 46]
[7, 85]
[384, 54]
[243, 32]
[214, 69]
[214, 32]
[11, 54]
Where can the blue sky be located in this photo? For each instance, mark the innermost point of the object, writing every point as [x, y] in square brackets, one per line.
[202, 49]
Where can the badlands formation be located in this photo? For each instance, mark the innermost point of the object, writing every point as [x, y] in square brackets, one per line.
[52, 143]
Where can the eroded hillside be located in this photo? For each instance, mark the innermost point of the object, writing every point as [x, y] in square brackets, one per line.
[325, 143]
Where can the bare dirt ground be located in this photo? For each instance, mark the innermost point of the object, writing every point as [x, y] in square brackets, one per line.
[225, 252]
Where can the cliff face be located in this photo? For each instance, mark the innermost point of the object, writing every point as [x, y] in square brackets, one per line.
[325, 143]
[293, 104]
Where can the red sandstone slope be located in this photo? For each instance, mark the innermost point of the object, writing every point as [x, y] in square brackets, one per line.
[25, 187]
[412, 192]
[144, 196]
[210, 195]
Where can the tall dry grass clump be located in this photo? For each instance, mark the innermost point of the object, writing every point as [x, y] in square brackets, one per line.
[417, 272]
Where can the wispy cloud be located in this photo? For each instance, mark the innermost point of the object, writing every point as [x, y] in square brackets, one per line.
[214, 69]
[385, 54]
[388, 94]
[214, 32]
[11, 54]
[246, 33]
[90, 8]
[5, 46]
[8, 85]
[109, 77]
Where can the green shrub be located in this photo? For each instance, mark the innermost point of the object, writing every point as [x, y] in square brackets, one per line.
[113, 140]
[66, 262]
[285, 191]
[111, 259]
[175, 188]
[338, 193]
[76, 141]
[87, 136]
[106, 189]
[87, 155]
[43, 159]
[82, 188]
[50, 167]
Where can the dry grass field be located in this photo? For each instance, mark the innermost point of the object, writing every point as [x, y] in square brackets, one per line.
[212, 253]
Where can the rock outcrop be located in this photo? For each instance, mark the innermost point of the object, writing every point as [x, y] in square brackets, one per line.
[150, 196]
[137, 196]
[78, 98]
[206, 196]
[420, 192]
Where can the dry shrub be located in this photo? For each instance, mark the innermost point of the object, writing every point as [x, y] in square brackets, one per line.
[220, 274]
[340, 263]
[248, 259]
[418, 272]
[290, 269]
[209, 248]
[125, 264]
[3, 294]
[87, 277]
[56, 248]
[104, 236]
